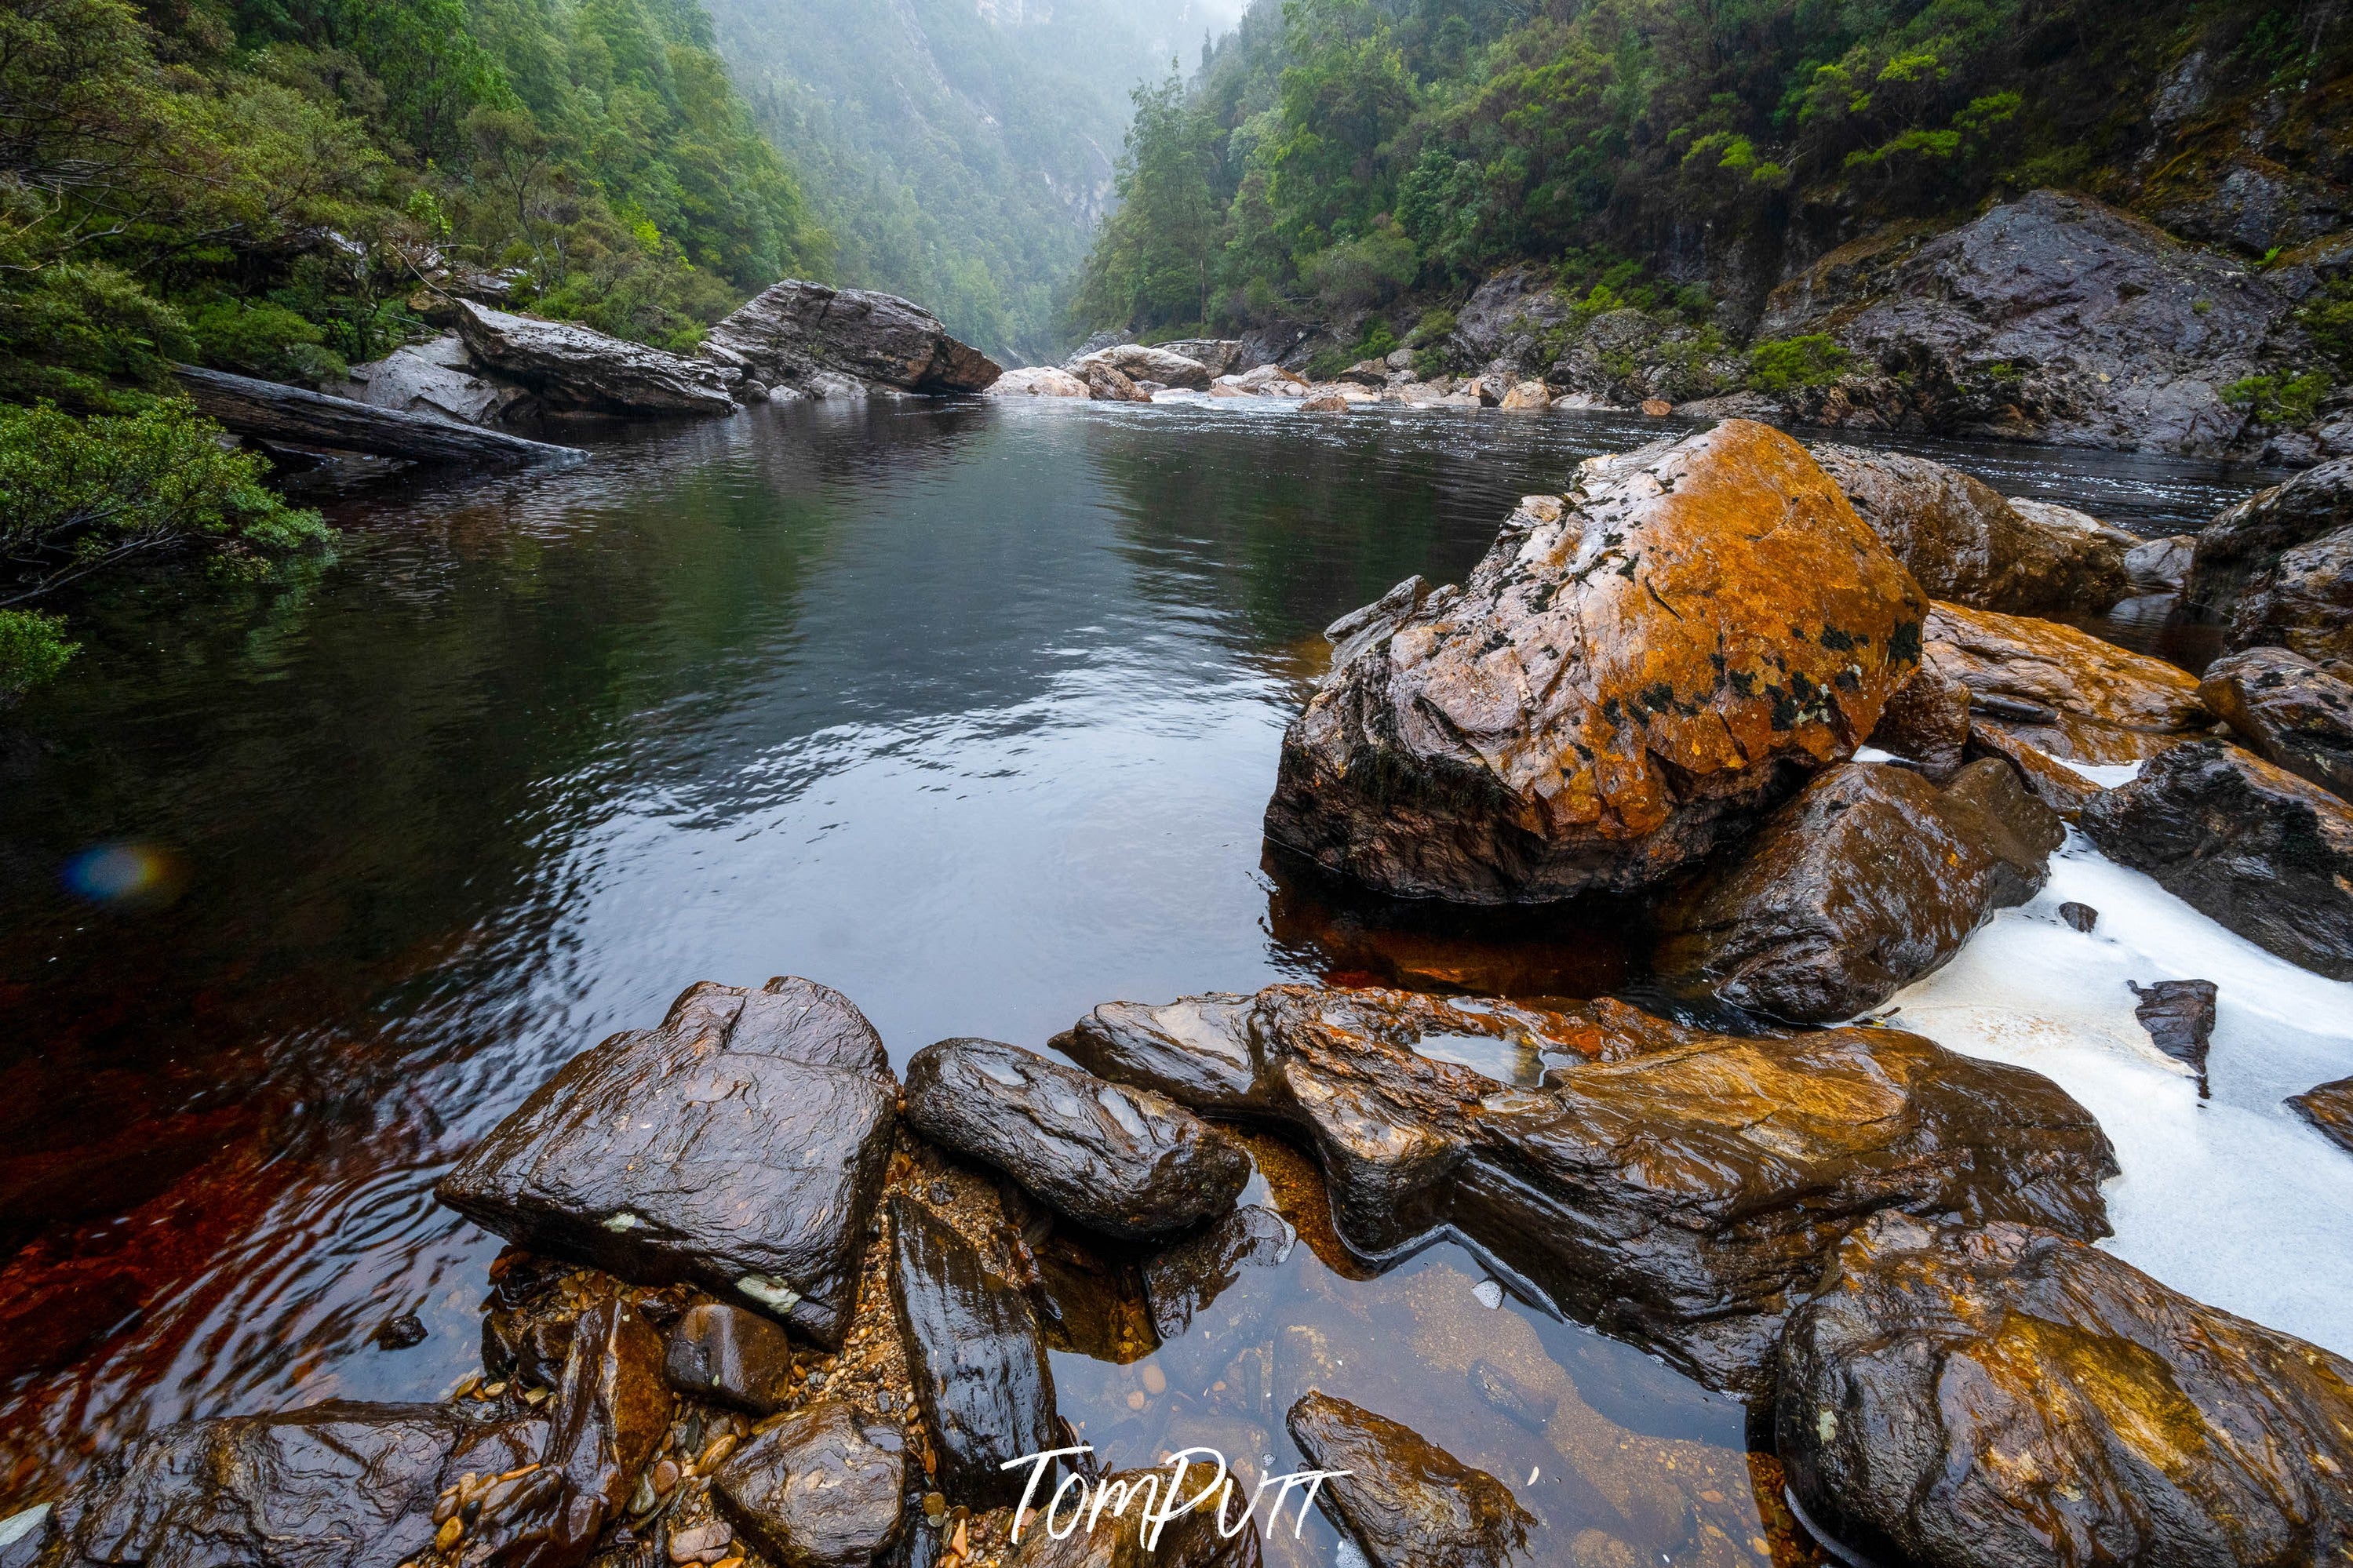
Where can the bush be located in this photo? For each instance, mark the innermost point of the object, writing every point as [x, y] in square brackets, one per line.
[264, 339]
[1779, 363]
[77, 495]
[1359, 272]
[33, 649]
[85, 335]
[2280, 399]
[1435, 326]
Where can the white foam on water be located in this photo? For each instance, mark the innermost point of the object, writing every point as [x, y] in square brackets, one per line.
[2107, 775]
[2235, 1201]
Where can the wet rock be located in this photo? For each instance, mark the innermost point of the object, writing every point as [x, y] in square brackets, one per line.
[1965, 542]
[338, 1485]
[1966, 1398]
[1927, 722]
[1218, 356]
[1137, 363]
[2304, 601]
[1187, 1277]
[818, 1489]
[2052, 782]
[2063, 691]
[438, 378]
[1105, 383]
[2288, 710]
[1128, 1162]
[1269, 380]
[2253, 845]
[1528, 397]
[1657, 407]
[2081, 917]
[27, 1536]
[1039, 381]
[975, 1357]
[1870, 879]
[2160, 566]
[1373, 372]
[796, 333]
[1559, 725]
[1089, 1296]
[1673, 1187]
[2329, 1109]
[1324, 402]
[730, 1356]
[2180, 1017]
[404, 1331]
[1510, 319]
[2248, 538]
[740, 1146]
[1405, 1501]
[572, 367]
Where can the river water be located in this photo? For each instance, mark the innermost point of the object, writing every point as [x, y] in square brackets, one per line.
[969, 712]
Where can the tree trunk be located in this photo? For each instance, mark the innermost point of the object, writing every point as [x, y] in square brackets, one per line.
[272, 411]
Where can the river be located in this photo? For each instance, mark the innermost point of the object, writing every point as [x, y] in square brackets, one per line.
[969, 712]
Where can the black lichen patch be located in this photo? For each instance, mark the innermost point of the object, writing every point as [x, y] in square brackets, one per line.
[1744, 683]
[1904, 646]
[1839, 641]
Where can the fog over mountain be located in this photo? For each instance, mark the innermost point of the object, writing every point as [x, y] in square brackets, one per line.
[960, 150]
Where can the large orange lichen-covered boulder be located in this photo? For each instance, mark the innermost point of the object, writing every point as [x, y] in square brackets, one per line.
[1634, 668]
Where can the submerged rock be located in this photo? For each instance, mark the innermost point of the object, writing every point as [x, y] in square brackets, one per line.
[2247, 540]
[1188, 1540]
[2289, 712]
[338, 1485]
[821, 1488]
[1868, 879]
[794, 332]
[1405, 1501]
[1572, 719]
[1123, 1160]
[2304, 601]
[2063, 692]
[975, 1357]
[1039, 380]
[2180, 1017]
[2329, 1109]
[572, 367]
[1676, 1188]
[1965, 542]
[730, 1356]
[740, 1146]
[1962, 1397]
[1183, 1280]
[2253, 845]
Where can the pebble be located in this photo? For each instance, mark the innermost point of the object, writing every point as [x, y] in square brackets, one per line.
[689, 1545]
[1490, 1293]
[665, 1476]
[936, 1506]
[1156, 1381]
[447, 1536]
[1136, 1400]
[715, 1454]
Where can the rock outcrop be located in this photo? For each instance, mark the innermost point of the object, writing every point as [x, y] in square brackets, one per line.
[2329, 1109]
[1039, 380]
[572, 367]
[1870, 879]
[1138, 363]
[1109, 383]
[2063, 691]
[818, 1489]
[2051, 317]
[2248, 538]
[2257, 848]
[2160, 566]
[2289, 712]
[796, 331]
[1405, 1501]
[1981, 1398]
[1528, 397]
[975, 1357]
[2304, 601]
[1965, 542]
[437, 379]
[1633, 670]
[739, 1146]
[1218, 356]
[1674, 1188]
[1122, 1160]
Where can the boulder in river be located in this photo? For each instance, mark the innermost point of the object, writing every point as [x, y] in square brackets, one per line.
[1527, 396]
[1405, 1501]
[2159, 565]
[2065, 693]
[740, 1146]
[1039, 380]
[1123, 1160]
[2288, 710]
[1138, 363]
[2246, 539]
[1927, 724]
[795, 333]
[1218, 356]
[1109, 383]
[1633, 670]
[1870, 879]
[1982, 1397]
[1676, 1188]
[1966, 544]
[2253, 845]
[2303, 601]
[2329, 1109]
[975, 1357]
[574, 367]
[820, 1488]
[2180, 1017]
[730, 1356]
[338, 1485]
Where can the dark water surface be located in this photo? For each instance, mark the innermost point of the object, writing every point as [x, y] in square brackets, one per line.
[969, 712]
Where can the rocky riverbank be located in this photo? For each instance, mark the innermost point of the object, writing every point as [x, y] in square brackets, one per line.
[769, 1302]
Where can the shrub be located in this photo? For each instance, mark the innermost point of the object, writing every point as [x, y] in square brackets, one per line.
[1359, 272]
[77, 495]
[2280, 399]
[1435, 326]
[1779, 363]
[264, 339]
[85, 334]
[33, 649]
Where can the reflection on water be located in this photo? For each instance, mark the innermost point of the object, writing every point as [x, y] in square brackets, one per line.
[969, 712]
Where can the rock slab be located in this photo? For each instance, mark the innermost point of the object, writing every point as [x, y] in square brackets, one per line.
[572, 367]
[2248, 538]
[818, 1489]
[2063, 692]
[1405, 1501]
[2180, 1017]
[2304, 601]
[794, 332]
[740, 1146]
[2329, 1109]
[2289, 712]
[1981, 1398]
[730, 1356]
[1122, 1160]
[1633, 670]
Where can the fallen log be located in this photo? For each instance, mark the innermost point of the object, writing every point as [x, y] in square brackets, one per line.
[272, 411]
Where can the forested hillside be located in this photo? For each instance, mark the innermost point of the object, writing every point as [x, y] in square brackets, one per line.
[960, 150]
[1336, 156]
